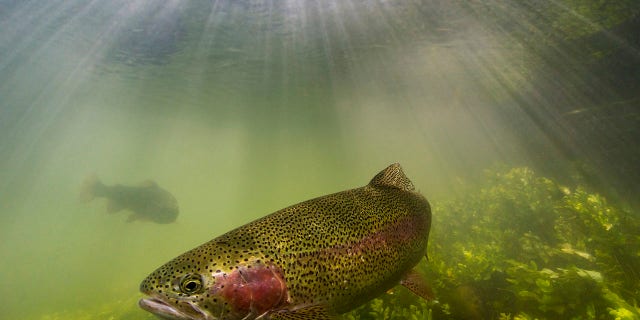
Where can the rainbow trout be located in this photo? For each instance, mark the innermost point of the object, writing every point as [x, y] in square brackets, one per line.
[147, 201]
[313, 260]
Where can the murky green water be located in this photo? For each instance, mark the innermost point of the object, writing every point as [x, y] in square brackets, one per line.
[240, 108]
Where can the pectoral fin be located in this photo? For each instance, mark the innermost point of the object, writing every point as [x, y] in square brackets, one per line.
[416, 284]
[315, 312]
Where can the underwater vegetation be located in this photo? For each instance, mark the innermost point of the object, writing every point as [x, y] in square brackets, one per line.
[525, 247]
[124, 309]
[519, 246]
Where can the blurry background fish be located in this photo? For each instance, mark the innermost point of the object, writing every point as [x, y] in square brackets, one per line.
[146, 201]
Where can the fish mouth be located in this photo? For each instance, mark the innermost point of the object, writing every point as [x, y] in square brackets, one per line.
[166, 311]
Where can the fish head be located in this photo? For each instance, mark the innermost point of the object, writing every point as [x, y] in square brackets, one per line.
[177, 295]
[185, 288]
[197, 286]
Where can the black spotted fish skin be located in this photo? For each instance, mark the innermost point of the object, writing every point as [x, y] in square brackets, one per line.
[333, 253]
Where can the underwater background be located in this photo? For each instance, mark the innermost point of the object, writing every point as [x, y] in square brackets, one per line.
[518, 120]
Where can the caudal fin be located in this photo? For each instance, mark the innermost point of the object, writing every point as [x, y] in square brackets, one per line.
[90, 188]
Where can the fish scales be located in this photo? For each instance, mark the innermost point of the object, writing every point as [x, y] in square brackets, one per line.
[312, 260]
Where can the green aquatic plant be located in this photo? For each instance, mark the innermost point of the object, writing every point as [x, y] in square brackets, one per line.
[517, 247]
[122, 309]
[398, 304]
[521, 246]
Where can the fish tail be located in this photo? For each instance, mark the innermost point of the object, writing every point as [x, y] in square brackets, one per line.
[91, 188]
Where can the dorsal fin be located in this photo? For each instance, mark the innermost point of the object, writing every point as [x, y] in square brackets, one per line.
[148, 184]
[392, 176]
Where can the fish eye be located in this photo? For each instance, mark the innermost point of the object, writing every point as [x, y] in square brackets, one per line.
[191, 283]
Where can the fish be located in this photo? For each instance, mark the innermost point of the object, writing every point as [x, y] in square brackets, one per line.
[312, 260]
[146, 201]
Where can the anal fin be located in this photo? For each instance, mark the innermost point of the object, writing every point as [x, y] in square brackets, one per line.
[418, 285]
[314, 312]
